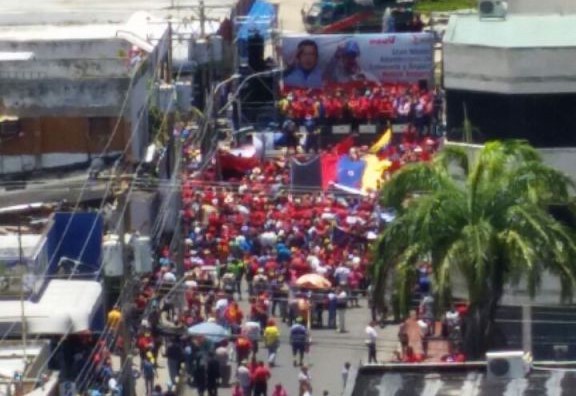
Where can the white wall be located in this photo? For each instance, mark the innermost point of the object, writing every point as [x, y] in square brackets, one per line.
[504, 70]
[541, 6]
[27, 163]
[67, 48]
[138, 115]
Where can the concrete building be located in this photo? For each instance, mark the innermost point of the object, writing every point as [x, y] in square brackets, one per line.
[71, 92]
[514, 74]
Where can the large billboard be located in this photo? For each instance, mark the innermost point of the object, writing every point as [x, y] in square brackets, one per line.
[320, 61]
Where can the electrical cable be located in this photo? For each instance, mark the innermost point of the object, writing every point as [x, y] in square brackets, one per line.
[127, 146]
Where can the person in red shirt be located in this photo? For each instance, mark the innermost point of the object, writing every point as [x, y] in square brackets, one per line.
[260, 379]
[279, 391]
[243, 348]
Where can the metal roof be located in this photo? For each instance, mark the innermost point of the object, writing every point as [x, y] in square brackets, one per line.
[459, 380]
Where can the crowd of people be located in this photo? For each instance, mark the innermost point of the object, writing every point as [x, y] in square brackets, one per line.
[252, 232]
[367, 103]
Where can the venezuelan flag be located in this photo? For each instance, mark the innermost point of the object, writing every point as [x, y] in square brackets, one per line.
[382, 142]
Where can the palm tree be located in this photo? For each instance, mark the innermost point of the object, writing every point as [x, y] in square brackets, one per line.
[487, 221]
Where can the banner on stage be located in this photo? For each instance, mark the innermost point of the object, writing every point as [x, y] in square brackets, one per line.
[320, 61]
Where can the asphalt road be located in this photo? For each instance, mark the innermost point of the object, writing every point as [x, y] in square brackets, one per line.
[328, 353]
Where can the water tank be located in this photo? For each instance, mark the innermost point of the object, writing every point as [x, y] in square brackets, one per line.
[142, 255]
[199, 51]
[184, 95]
[112, 256]
[216, 48]
[165, 97]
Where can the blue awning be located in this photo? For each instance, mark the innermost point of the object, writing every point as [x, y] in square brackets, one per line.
[260, 18]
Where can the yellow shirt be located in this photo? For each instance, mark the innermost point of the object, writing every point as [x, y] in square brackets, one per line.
[271, 335]
[114, 317]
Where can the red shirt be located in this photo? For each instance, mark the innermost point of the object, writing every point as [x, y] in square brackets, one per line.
[261, 374]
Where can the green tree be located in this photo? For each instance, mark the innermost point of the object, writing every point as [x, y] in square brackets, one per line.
[486, 220]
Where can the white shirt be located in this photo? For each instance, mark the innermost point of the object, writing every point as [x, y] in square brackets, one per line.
[243, 375]
[113, 384]
[252, 330]
[372, 334]
[304, 378]
[169, 277]
[221, 304]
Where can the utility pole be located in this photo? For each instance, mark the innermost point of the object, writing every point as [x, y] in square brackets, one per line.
[127, 284]
[202, 11]
[22, 304]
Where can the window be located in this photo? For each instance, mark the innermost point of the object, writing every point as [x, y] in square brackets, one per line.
[9, 127]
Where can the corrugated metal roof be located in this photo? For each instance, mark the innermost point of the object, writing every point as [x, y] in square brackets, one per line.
[459, 381]
[516, 31]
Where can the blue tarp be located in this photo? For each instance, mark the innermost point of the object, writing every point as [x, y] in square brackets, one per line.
[261, 18]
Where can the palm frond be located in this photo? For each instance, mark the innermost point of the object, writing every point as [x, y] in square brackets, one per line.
[411, 181]
[450, 156]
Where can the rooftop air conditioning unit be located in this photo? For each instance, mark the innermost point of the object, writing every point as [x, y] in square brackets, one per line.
[507, 365]
[492, 9]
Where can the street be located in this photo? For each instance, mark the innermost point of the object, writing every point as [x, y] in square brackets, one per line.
[329, 351]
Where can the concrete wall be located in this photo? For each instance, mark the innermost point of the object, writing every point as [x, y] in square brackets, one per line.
[38, 69]
[69, 48]
[53, 142]
[138, 115]
[63, 97]
[518, 71]
[541, 6]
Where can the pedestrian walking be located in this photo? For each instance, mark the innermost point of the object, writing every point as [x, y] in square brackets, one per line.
[272, 341]
[200, 378]
[175, 357]
[372, 335]
[244, 378]
[149, 373]
[212, 375]
[279, 391]
[298, 341]
[304, 381]
[342, 300]
[332, 309]
[260, 379]
[345, 375]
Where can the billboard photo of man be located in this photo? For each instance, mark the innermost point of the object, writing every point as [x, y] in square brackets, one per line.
[344, 66]
[304, 70]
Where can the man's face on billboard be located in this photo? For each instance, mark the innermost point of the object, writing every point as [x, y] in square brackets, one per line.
[308, 57]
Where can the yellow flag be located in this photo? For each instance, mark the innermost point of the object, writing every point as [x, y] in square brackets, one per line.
[382, 142]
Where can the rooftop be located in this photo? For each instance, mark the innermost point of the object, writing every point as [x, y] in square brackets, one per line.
[468, 379]
[516, 31]
[140, 30]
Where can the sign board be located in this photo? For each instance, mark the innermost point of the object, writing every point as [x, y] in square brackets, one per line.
[341, 129]
[67, 388]
[332, 60]
[367, 128]
[399, 128]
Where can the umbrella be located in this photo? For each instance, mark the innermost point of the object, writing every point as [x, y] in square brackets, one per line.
[211, 331]
[313, 281]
